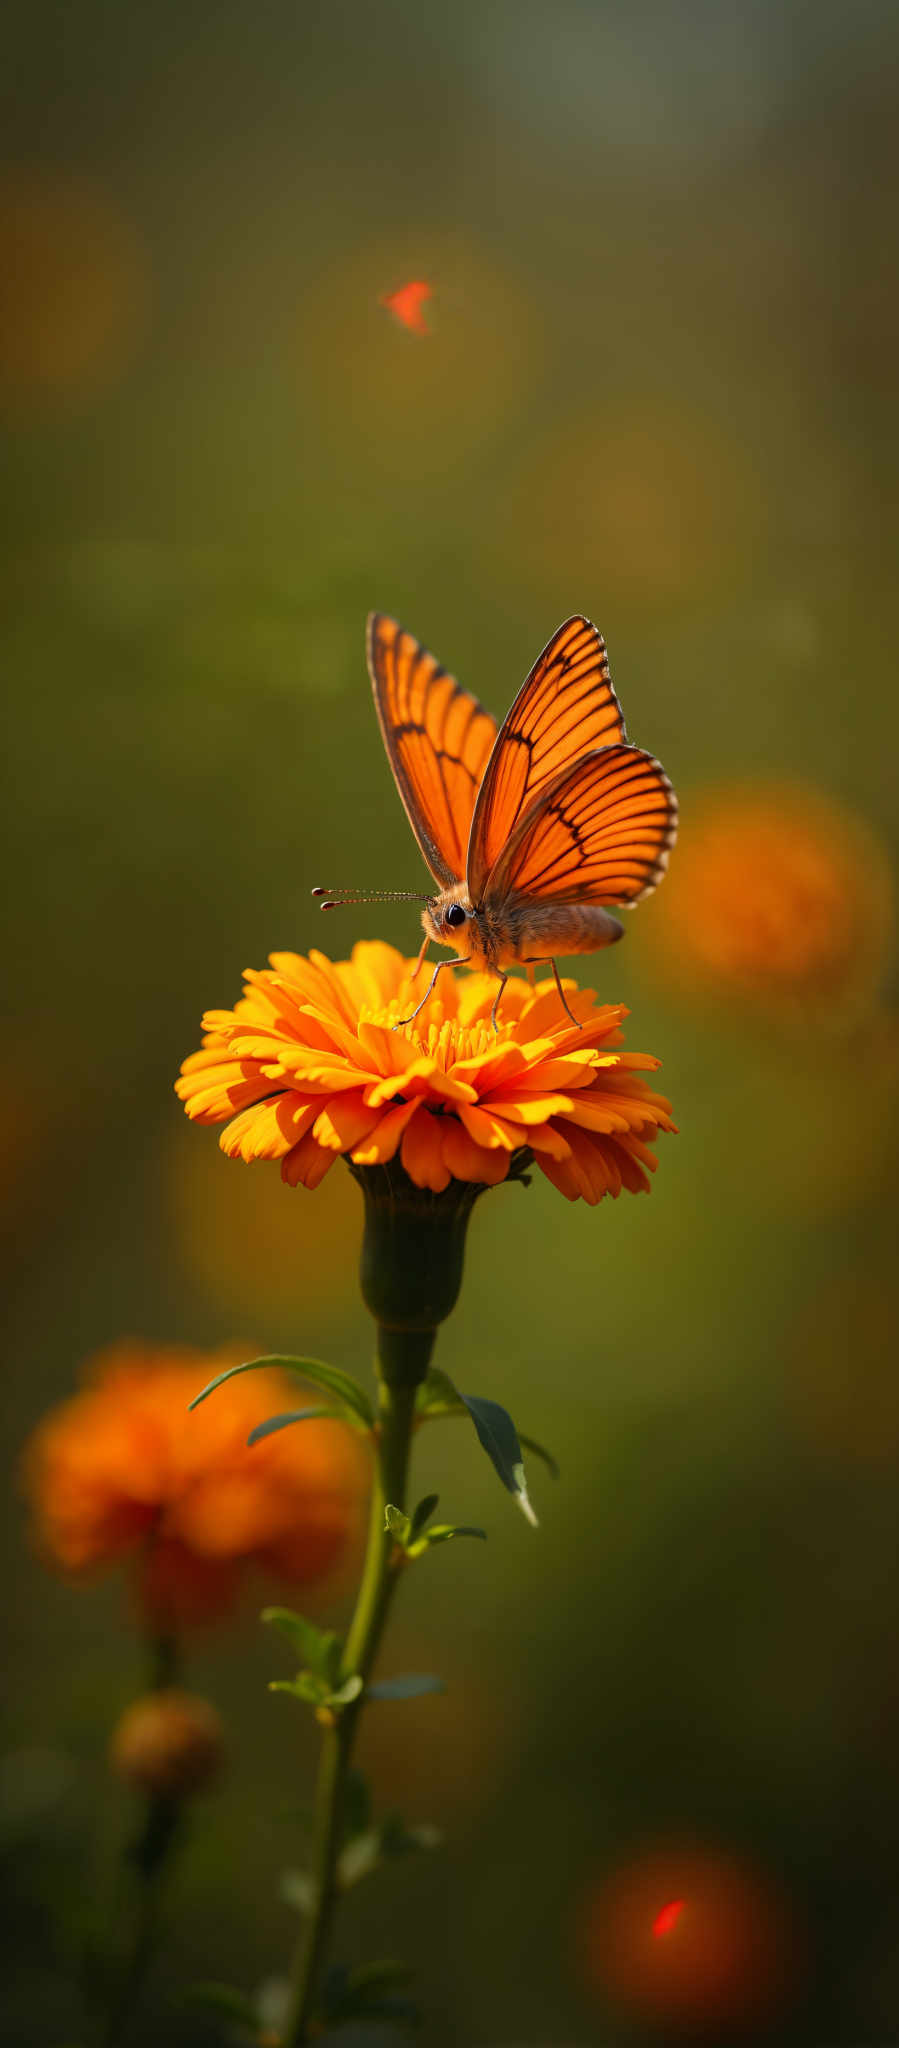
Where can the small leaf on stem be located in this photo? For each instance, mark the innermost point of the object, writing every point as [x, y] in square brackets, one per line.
[397, 1524]
[499, 1437]
[312, 1370]
[423, 1512]
[320, 1648]
[276, 1422]
[407, 1687]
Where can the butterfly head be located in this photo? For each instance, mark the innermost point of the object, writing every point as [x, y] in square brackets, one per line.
[451, 920]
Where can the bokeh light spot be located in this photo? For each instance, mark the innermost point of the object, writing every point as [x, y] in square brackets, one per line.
[665, 1921]
[408, 303]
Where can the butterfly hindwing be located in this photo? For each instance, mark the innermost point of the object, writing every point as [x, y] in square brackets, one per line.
[600, 833]
[566, 707]
[438, 740]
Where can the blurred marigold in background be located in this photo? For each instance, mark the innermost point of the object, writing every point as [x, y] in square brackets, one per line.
[122, 1471]
[308, 1067]
[77, 296]
[694, 1940]
[169, 1743]
[777, 892]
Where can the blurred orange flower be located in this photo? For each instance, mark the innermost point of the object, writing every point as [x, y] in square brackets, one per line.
[308, 1066]
[777, 891]
[78, 287]
[123, 1471]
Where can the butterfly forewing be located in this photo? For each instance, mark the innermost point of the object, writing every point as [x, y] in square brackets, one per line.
[566, 707]
[438, 739]
[599, 834]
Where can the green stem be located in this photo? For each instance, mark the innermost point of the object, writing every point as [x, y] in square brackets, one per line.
[403, 1357]
[149, 1857]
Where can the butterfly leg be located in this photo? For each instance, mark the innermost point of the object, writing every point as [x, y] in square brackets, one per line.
[421, 954]
[568, 1013]
[420, 1006]
[503, 978]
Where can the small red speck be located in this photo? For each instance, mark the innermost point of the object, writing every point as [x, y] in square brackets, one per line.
[406, 305]
[668, 1917]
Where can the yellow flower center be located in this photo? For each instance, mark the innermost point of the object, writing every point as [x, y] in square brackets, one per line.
[442, 1038]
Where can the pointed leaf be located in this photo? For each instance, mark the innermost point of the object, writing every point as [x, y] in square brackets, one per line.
[396, 1523]
[346, 1693]
[370, 1993]
[276, 1422]
[297, 1889]
[406, 1687]
[499, 1437]
[312, 1370]
[437, 1395]
[423, 1512]
[360, 1857]
[443, 1532]
[529, 1443]
[307, 1686]
[399, 1840]
[318, 1647]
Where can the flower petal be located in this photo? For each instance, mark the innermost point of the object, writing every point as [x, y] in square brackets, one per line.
[344, 1122]
[422, 1154]
[381, 1143]
[468, 1161]
[307, 1163]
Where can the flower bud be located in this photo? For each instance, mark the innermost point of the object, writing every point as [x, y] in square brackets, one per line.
[168, 1743]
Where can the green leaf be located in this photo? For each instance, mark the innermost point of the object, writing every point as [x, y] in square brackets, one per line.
[389, 1838]
[312, 1371]
[397, 1524]
[297, 1889]
[443, 1532]
[369, 1993]
[437, 1395]
[316, 1691]
[224, 1999]
[529, 1443]
[307, 1686]
[499, 1437]
[399, 1840]
[423, 1512]
[361, 1856]
[276, 1422]
[320, 1648]
[406, 1687]
[347, 1692]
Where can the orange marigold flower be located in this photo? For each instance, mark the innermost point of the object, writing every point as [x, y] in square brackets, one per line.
[778, 891]
[308, 1065]
[123, 1470]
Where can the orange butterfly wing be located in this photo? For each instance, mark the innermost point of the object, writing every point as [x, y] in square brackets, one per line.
[601, 833]
[438, 740]
[566, 707]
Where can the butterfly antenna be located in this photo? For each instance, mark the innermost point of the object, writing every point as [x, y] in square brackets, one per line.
[337, 899]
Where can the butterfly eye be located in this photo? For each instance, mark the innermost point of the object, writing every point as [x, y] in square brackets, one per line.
[455, 915]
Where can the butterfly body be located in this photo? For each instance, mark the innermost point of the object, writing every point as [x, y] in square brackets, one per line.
[531, 829]
[518, 931]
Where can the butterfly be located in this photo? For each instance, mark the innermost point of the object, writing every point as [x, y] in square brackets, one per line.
[529, 830]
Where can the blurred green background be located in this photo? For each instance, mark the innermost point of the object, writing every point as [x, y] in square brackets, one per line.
[660, 388]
